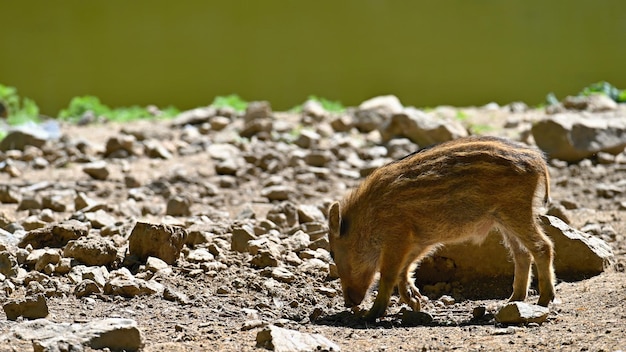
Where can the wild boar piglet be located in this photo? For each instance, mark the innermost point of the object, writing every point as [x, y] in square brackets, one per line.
[449, 193]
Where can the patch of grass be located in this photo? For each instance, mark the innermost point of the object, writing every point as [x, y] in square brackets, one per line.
[461, 115]
[19, 110]
[481, 129]
[79, 106]
[230, 101]
[606, 88]
[329, 105]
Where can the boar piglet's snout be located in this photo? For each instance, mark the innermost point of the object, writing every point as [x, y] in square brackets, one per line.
[352, 298]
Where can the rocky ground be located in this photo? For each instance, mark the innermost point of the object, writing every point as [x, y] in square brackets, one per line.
[250, 191]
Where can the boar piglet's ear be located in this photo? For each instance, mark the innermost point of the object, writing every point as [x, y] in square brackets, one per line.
[334, 219]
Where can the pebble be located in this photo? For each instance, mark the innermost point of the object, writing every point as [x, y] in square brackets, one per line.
[522, 313]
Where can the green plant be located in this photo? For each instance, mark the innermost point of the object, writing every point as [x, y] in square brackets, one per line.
[19, 110]
[607, 89]
[81, 105]
[329, 105]
[230, 101]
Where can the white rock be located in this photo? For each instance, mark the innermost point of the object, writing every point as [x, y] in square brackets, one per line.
[285, 340]
[522, 313]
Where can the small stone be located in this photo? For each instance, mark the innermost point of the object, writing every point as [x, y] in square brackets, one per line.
[178, 206]
[283, 274]
[241, 236]
[175, 296]
[99, 219]
[28, 307]
[91, 250]
[447, 300]
[252, 324]
[155, 264]
[131, 287]
[277, 193]
[411, 318]
[86, 288]
[479, 312]
[8, 264]
[97, 170]
[327, 291]
[54, 236]
[156, 240]
[522, 313]
[284, 340]
[199, 255]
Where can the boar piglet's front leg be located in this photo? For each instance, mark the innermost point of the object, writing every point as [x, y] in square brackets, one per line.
[394, 266]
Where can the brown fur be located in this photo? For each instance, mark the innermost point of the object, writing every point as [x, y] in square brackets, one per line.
[449, 193]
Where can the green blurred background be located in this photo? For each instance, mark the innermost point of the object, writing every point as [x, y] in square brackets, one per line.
[186, 52]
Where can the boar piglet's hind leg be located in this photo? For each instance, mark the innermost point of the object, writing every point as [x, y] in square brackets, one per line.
[408, 292]
[528, 233]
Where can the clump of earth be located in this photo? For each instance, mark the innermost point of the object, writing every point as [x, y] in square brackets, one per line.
[246, 197]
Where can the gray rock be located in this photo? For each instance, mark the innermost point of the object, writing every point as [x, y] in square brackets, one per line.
[313, 109]
[522, 313]
[97, 170]
[178, 206]
[573, 137]
[79, 273]
[48, 257]
[257, 127]
[310, 213]
[175, 296]
[87, 287]
[8, 264]
[218, 123]
[128, 286]
[578, 255]
[115, 334]
[421, 128]
[283, 274]
[90, 250]
[374, 112]
[196, 116]
[55, 236]
[28, 202]
[19, 138]
[228, 167]
[314, 266]
[122, 146]
[278, 193]
[411, 318]
[9, 194]
[161, 241]
[308, 139]
[257, 110]
[593, 103]
[99, 218]
[265, 258]
[240, 238]
[285, 340]
[32, 307]
[155, 264]
[298, 241]
[318, 158]
[223, 151]
[200, 255]
[154, 149]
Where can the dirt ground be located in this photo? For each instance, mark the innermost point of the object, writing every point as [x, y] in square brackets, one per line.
[227, 307]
